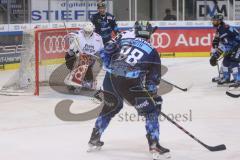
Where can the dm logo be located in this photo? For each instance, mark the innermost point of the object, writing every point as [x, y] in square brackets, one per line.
[209, 8]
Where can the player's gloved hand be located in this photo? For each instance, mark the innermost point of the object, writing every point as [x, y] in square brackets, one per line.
[70, 59]
[152, 89]
[111, 47]
[215, 54]
[213, 61]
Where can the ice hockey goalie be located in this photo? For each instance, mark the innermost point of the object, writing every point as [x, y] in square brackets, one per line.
[81, 56]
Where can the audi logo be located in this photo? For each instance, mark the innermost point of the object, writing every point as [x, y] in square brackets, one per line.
[160, 40]
[55, 44]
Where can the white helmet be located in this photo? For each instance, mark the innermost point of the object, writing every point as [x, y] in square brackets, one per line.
[88, 29]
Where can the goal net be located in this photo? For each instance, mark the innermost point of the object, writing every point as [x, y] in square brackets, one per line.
[44, 52]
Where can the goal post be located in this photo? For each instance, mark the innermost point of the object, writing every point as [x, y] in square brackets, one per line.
[45, 50]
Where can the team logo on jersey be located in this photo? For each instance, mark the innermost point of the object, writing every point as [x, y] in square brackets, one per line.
[109, 18]
[89, 48]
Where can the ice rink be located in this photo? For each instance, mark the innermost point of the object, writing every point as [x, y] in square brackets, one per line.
[30, 130]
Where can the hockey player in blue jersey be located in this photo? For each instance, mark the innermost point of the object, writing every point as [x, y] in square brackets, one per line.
[226, 43]
[135, 71]
[104, 23]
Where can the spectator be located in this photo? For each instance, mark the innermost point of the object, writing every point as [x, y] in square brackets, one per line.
[169, 16]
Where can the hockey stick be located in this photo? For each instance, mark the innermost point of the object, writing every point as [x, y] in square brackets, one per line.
[218, 70]
[210, 148]
[182, 89]
[232, 94]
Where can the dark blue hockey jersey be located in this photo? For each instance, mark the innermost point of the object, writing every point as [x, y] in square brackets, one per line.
[228, 35]
[136, 58]
[104, 25]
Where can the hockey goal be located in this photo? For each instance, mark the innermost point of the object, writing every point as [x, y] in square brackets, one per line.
[44, 53]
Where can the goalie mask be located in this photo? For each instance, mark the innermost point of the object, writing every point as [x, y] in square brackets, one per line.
[88, 29]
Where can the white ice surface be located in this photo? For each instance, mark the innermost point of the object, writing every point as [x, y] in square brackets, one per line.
[29, 129]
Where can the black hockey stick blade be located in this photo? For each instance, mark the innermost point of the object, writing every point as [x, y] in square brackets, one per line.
[184, 89]
[216, 148]
[232, 95]
[180, 88]
[210, 148]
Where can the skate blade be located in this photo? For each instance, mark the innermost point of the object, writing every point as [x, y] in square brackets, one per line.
[94, 148]
[157, 156]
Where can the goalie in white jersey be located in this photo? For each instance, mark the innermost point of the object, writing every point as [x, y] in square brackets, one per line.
[84, 45]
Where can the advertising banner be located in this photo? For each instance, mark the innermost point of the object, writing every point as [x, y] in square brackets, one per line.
[209, 8]
[59, 10]
[10, 47]
[54, 45]
[237, 10]
[187, 41]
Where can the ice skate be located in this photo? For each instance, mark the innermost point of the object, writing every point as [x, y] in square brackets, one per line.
[158, 152]
[222, 81]
[216, 79]
[94, 143]
[235, 85]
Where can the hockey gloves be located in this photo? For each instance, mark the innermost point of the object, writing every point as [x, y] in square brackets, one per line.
[216, 53]
[152, 89]
[70, 61]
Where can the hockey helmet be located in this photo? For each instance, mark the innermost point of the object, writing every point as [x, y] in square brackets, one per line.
[218, 16]
[143, 29]
[217, 19]
[101, 5]
[88, 29]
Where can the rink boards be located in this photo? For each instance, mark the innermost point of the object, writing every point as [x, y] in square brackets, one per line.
[171, 39]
